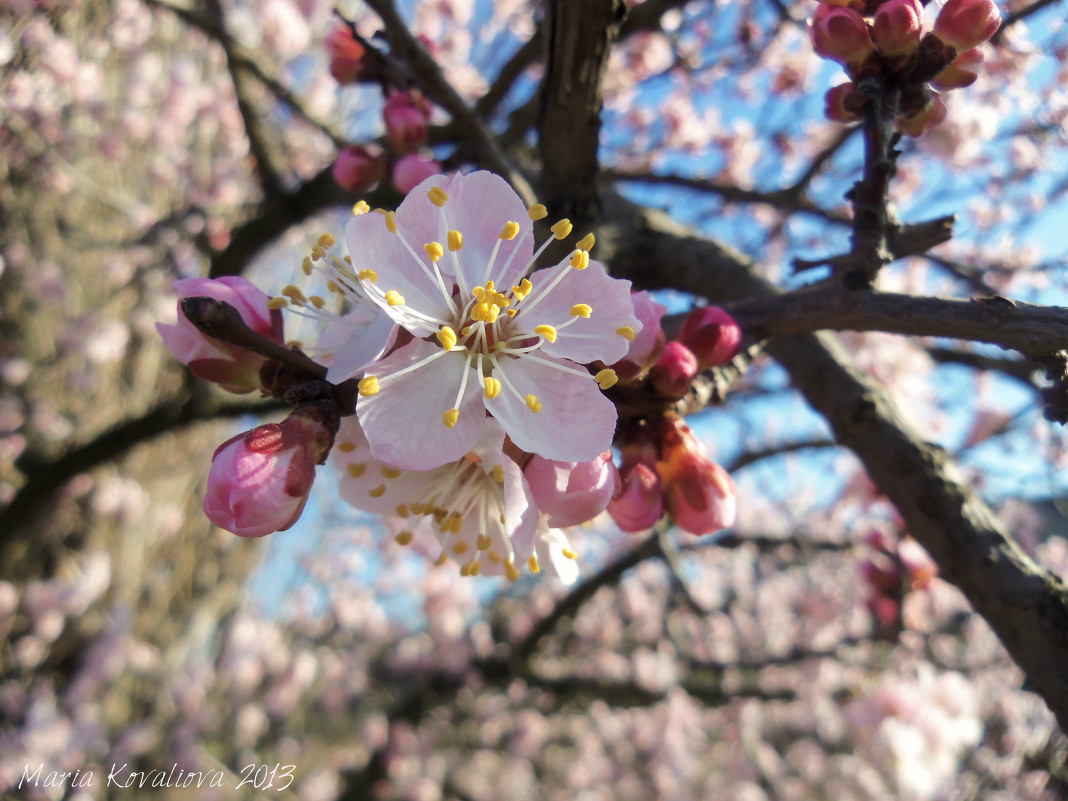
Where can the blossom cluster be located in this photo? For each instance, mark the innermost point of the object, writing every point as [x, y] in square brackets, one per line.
[480, 428]
[885, 41]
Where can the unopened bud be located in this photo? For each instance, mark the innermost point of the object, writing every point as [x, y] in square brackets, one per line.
[699, 495]
[411, 170]
[674, 371]
[930, 116]
[841, 104]
[712, 335]
[571, 493]
[406, 115]
[962, 72]
[639, 505]
[840, 34]
[963, 24]
[346, 55]
[358, 168]
[898, 27]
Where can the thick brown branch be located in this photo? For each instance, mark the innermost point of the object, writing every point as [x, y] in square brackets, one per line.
[1026, 606]
[1028, 328]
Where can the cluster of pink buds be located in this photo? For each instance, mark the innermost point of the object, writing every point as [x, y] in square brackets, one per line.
[665, 470]
[891, 571]
[406, 114]
[885, 41]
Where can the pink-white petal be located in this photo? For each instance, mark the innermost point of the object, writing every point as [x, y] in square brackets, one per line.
[403, 421]
[576, 422]
[587, 339]
[351, 344]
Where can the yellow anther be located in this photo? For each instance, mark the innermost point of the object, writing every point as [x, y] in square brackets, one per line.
[537, 212]
[317, 301]
[394, 298]
[485, 312]
[586, 243]
[459, 548]
[533, 403]
[455, 522]
[368, 275]
[294, 294]
[456, 241]
[475, 568]
[606, 378]
[391, 223]
[404, 537]
[483, 542]
[510, 570]
[378, 491]
[317, 253]
[523, 289]
[437, 196]
[546, 331]
[532, 562]
[277, 303]
[511, 229]
[356, 470]
[480, 293]
[333, 287]
[447, 337]
[368, 386]
[361, 207]
[402, 510]
[493, 388]
[626, 332]
[498, 473]
[327, 241]
[347, 447]
[450, 417]
[581, 310]
[306, 265]
[391, 472]
[465, 330]
[494, 557]
[562, 228]
[441, 559]
[580, 259]
[434, 250]
[569, 553]
[511, 312]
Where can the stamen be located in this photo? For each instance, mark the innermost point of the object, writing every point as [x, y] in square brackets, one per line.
[317, 301]
[580, 260]
[294, 294]
[510, 569]
[437, 196]
[498, 473]
[378, 491]
[356, 470]
[394, 298]
[533, 403]
[277, 303]
[391, 472]
[456, 241]
[586, 243]
[361, 207]
[368, 386]
[626, 332]
[606, 378]
[523, 289]
[391, 223]
[450, 417]
[537, 212]
[346, 447]
[447, 337]
[306, 266]
[483, 542]
[493, 387]
[402, 510]
[562, 228]
[532, 562]
[511, 229]
[441, 559]
[460, 548]
[404, 538]
[581, 310]
[569, 553]
[327, 241]
[368, 275]
[434, 250]
[546, 331]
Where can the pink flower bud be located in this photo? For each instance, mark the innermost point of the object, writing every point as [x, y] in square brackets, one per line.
[898, 27]
[638, 506]
[406, 115]
[962, 72]
[259, 481]
[840, 34]
[570, 493]
[962, 24]
[359, 168]
[234, 369]
[699, 495]
[712, 335]
[346, 55]
[411, 170]
[674, 371]
[840, 104]
[931, 115]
